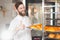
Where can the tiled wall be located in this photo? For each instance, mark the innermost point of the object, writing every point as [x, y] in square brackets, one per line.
[9, 14]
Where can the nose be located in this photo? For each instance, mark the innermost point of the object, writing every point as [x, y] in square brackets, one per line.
[23, 8]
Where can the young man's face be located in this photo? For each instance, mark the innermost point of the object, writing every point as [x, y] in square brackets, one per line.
[22, 10]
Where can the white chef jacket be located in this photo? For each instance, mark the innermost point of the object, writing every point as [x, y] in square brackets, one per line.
[22, 34]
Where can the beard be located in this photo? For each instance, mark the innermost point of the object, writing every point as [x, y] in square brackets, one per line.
[22, 14]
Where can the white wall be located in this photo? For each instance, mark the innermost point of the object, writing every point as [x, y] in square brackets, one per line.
[9, 15]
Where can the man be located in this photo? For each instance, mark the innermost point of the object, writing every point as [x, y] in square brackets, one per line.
[18, 28]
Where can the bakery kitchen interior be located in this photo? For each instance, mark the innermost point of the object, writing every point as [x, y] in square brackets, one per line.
[44, 15]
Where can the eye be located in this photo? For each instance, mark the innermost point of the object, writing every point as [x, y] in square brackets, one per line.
[20, 8]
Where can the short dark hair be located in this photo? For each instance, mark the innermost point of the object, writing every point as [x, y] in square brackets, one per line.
[17, 4]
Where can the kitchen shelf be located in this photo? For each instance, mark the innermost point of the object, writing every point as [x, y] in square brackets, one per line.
[52, 19]
[50, 12]
[51, 38]
[49, 6]
[49, 17]
[52, 32]
[52, 25]
[37, 29]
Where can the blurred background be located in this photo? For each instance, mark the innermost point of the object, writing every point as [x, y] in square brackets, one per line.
[42, 12]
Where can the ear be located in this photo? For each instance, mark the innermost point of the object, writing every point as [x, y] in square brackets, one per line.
[15, 9]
